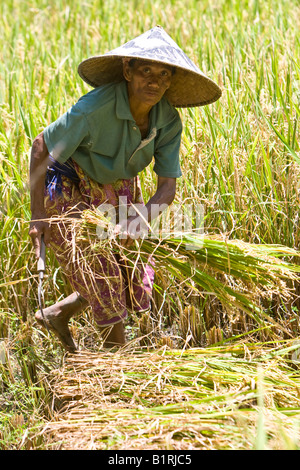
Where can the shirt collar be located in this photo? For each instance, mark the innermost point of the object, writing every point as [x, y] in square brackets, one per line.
[161, 114]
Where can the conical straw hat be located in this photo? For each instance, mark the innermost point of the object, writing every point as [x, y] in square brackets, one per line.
[189, 87]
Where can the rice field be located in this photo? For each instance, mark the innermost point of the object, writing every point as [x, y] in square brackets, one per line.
[215, 365]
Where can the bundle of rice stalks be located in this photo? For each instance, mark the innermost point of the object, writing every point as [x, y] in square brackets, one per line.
[241, 396]
[239, 274]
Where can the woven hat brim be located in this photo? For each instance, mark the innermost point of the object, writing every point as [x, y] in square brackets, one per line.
[188, 88]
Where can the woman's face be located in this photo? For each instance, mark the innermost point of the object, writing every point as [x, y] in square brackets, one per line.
[147, 81]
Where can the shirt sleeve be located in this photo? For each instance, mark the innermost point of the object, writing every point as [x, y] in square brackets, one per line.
[65, 135]
[166, 154]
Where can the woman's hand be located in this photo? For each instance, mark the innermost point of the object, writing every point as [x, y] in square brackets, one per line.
[38, 227]
[129, 230]
[137, 226]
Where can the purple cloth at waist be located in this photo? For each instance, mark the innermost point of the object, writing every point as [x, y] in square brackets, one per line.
[54, 173]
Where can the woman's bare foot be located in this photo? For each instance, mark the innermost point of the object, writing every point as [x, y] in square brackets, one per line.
[113, 335]
[58, 315]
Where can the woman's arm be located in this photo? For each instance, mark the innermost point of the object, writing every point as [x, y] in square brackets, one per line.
[164, 196]
[38, 167]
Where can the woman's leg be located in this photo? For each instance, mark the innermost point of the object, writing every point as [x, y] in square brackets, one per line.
[113, 335]
[95, 278]
[58, 315]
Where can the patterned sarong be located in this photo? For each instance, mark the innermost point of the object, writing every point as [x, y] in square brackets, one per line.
[110, 287]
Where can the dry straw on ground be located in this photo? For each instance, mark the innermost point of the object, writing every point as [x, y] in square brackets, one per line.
[241, 396]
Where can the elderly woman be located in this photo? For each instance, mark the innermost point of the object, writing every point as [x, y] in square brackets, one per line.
[92, 155]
